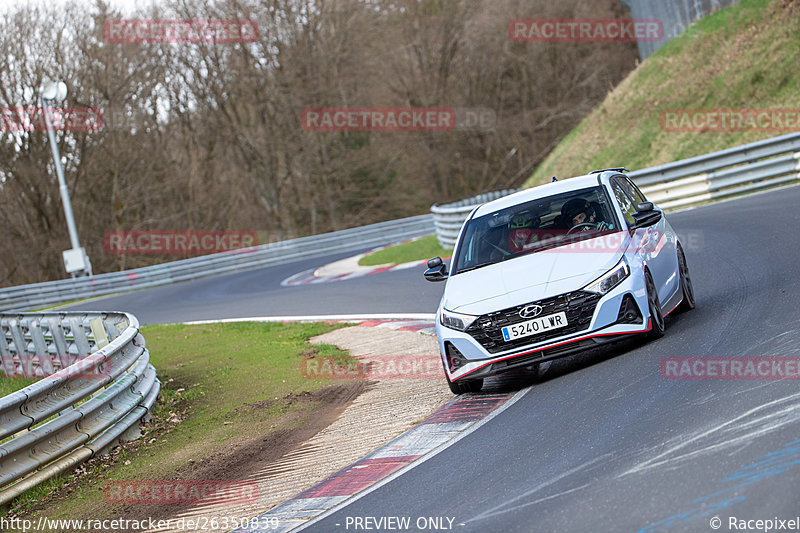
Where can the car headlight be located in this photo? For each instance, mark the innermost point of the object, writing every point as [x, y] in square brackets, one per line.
[458, 321]
[610, 279]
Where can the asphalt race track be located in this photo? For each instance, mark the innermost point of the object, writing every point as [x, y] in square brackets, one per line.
[259, 293]
[601, 442]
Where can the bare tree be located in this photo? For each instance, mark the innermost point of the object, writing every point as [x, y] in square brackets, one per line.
[209, 135]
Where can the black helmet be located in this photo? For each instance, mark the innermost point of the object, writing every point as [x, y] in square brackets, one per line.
[575, 206]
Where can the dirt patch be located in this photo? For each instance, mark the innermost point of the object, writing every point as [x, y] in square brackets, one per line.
[242, 460]
[263, 404]
[309, 354]
[334, 395]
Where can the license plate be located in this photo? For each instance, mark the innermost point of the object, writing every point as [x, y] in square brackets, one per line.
[535, 326]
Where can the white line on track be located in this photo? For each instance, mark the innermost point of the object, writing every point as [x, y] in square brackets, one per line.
[320, 318]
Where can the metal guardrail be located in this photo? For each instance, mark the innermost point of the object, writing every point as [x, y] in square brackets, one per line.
[449, 218]
[684, 183]
[729, 172]
[675, 16]
[48, 293]
[96, 384]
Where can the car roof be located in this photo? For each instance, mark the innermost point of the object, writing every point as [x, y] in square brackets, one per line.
[548, 189]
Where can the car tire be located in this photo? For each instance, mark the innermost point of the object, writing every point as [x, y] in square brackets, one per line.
[688, 303]
[464, 386]
[657, 325]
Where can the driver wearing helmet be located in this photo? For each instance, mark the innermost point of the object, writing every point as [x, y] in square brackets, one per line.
[578, 213]
[522, 235]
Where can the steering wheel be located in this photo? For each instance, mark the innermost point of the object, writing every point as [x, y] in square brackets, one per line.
[584, 225]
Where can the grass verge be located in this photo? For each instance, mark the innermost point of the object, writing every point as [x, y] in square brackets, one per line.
[415, 250]
[743, 56]
[9, 385]
[221, 385]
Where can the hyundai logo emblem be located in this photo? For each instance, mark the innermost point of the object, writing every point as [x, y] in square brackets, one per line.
[530, 311]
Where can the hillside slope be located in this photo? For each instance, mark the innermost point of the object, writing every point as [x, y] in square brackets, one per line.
[745, 56]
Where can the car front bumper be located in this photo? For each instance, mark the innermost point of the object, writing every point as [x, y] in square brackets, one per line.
[466, 357]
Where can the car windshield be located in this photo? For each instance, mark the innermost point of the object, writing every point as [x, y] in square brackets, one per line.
[530, 227]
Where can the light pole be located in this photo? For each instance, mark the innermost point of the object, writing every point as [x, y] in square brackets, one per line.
[76, 261]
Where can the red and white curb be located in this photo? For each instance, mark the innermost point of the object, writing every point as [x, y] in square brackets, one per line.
[349, 268]
[313, 275]
[446, 426]
[424, 326]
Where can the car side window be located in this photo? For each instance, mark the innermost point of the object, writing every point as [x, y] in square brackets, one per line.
[632, 190]
[626, 203]
[469, 255]
[638, 191]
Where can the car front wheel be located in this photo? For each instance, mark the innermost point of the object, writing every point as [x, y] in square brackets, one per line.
[686, 283]
[656, 316]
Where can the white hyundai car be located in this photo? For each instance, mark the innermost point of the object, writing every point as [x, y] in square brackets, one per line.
[556, 269]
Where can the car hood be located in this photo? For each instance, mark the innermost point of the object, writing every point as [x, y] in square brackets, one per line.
[534, 276]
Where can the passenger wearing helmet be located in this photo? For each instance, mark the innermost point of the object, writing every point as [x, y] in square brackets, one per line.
[522, 232]
[579, 213]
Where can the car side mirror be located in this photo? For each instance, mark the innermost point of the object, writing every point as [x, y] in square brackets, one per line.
[646, 215]
[437, 270]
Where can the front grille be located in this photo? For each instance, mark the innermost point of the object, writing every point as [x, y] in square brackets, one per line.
[579, 307]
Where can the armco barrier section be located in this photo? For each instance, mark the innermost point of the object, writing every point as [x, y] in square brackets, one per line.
[24, 297]
[737, 170]
[675, 16]
[95, 384]
[684, 183]
[449, 218]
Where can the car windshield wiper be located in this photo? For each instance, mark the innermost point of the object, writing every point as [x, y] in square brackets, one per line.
[476, 266]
